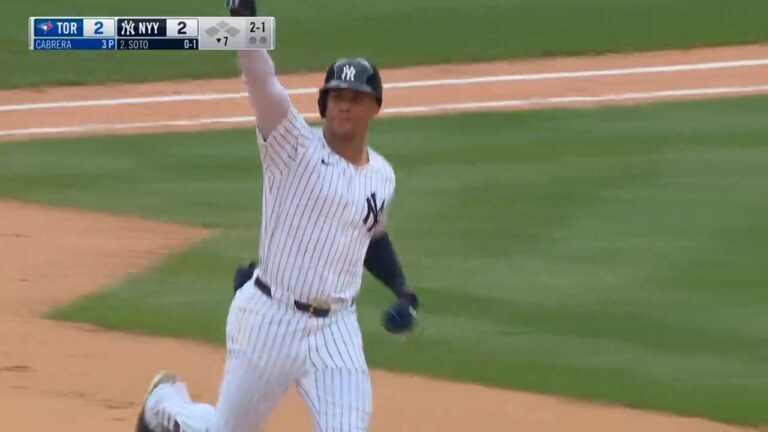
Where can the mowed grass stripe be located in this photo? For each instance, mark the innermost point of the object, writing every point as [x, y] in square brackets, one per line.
[392, 33]
[613, 254]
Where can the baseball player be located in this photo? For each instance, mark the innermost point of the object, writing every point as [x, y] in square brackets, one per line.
[293, 319]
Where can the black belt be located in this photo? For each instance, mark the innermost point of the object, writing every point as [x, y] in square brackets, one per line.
[313, 310]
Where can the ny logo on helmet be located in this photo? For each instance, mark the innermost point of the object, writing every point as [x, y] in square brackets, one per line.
[348, 74]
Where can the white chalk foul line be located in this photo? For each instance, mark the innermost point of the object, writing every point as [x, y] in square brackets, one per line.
[407, 84]
[410, 110]
[565, 100]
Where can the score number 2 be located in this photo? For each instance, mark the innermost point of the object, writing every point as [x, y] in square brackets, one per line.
[98, 27]
[185, 27]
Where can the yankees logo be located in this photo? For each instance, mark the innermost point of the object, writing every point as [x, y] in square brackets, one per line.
[348, 74]
[373, 211]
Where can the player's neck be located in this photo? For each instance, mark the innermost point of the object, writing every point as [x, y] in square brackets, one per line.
[352, 149]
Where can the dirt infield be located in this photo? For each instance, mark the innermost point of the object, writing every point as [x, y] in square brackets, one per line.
[547, 83]
[68, 377]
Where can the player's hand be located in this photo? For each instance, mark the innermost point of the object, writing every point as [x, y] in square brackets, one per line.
[401, 316]
[241, 8]
[242, 275]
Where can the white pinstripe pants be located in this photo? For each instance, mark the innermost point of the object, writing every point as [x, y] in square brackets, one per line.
[271, 345]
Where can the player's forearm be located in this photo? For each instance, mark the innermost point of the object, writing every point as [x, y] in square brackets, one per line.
[268, 97]
[381, 261]
[257, 67]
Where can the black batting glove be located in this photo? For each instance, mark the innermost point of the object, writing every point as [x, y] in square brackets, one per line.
[242, 275]
[401, 316]
[241, 8]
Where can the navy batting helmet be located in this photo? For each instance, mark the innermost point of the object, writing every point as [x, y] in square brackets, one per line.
[350, 73]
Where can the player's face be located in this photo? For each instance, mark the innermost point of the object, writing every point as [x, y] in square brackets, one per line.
[349, 111]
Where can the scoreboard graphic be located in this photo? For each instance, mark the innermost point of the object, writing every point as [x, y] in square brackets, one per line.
[151, 33]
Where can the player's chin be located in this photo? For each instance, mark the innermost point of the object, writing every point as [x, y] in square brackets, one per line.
[342, 127]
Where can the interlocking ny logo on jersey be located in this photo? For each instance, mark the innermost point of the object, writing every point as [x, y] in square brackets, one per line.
[374, 211]
[348, 74]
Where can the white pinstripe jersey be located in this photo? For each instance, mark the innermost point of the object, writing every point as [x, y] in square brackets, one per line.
[319, 212]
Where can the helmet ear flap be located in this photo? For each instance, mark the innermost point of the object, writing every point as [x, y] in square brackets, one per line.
[322, 102]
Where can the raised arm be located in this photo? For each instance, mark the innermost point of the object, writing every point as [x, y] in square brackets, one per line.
[268, 97]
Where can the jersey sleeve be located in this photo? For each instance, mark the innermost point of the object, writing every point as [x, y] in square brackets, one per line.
[389, 187]
[282, 146]
[381, 226]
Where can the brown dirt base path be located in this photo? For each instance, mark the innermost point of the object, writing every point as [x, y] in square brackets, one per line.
[69, 377]
[620, 79]
[72, 377]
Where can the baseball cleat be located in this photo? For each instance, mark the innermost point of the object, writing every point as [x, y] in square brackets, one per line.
[159, 379]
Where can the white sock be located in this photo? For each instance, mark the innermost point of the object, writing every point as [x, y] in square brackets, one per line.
[164, 404]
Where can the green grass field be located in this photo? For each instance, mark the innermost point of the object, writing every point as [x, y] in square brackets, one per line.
[613, 254]
[396, 32]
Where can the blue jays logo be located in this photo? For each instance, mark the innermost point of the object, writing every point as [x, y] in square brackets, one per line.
[45, 26]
